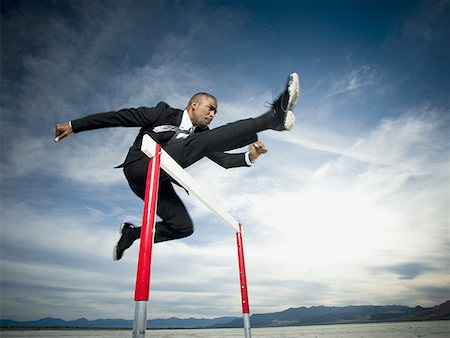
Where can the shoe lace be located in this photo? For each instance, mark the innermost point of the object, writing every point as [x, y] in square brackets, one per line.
[268, 104]
[275, 98]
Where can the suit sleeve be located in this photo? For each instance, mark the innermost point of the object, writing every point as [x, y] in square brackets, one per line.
[228, 161]
[132, 117]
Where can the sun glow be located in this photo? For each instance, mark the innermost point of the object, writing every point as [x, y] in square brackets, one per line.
[332, 226]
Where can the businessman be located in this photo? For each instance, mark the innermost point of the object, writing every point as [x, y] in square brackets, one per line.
[185, 135]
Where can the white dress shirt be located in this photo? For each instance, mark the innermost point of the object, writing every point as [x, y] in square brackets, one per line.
[185, 125]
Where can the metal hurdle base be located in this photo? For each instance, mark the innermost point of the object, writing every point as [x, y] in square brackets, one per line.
[140, 319]
[246, 319]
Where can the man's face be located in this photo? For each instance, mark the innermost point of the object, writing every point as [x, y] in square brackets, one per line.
[203, 111]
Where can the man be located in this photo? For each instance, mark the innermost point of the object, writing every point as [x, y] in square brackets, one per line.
[186, 137]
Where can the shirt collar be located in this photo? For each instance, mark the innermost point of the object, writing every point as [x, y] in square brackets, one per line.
[186, 123]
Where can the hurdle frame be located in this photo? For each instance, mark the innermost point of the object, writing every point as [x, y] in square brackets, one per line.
[159, 159]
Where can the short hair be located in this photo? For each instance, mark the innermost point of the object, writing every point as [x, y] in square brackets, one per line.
[197, 97]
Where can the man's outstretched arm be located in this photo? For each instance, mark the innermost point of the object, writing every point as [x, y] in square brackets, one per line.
[234, 160]
[131, 117]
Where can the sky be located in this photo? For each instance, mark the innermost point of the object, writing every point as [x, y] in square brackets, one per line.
[350, 207]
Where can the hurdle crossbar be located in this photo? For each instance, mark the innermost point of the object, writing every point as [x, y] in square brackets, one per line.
[160, 159]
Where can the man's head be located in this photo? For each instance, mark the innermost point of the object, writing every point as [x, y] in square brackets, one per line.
[202, 108]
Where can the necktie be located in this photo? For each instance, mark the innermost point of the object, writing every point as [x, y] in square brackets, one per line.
[178, 133]
[181, 134]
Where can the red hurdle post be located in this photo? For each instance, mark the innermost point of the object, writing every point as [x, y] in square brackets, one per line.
[142, 290]
[243, 280]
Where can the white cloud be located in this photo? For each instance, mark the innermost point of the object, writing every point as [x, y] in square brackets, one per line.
[354, 80]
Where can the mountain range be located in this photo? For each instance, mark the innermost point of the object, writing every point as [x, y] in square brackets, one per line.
[291, 317]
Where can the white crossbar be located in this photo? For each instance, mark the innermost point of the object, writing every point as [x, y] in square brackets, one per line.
[171, 167]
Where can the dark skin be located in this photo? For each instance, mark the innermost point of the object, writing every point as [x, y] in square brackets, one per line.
[201, 111]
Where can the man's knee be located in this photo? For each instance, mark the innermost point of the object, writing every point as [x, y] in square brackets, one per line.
[183, 225]
[169, 232]
[184, 229]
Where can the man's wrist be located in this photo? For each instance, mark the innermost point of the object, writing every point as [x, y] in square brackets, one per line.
[248, 160]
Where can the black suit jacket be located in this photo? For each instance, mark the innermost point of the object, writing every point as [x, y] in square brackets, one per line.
[148, 119]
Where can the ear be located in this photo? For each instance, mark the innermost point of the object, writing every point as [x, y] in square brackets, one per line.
[194, 104]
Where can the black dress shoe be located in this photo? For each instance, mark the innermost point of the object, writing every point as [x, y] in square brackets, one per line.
[282, 107]
[125, 241]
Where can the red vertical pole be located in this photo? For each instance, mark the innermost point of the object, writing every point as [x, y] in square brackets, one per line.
[243, 280]
[148, 228]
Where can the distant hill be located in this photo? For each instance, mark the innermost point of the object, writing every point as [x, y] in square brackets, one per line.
[188, 323]
[348, 314]
[291, 317]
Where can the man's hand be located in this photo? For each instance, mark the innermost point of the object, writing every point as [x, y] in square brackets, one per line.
[63, 130]
[255, 150]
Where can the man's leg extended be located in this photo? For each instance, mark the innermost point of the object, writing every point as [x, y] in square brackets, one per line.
[240, 133]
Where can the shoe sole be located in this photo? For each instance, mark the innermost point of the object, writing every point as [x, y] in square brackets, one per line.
[289, 120]
[293, 90]
[114, 252]
[115, 246]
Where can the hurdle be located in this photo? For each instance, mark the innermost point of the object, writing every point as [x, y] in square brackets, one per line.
[159, 159]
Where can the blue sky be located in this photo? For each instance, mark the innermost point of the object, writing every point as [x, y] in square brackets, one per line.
[350, 207]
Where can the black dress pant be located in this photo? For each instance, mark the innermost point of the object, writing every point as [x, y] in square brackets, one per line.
[176, 222]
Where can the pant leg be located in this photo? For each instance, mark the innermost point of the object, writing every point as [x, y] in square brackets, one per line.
[176, 222]
[227, 137]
